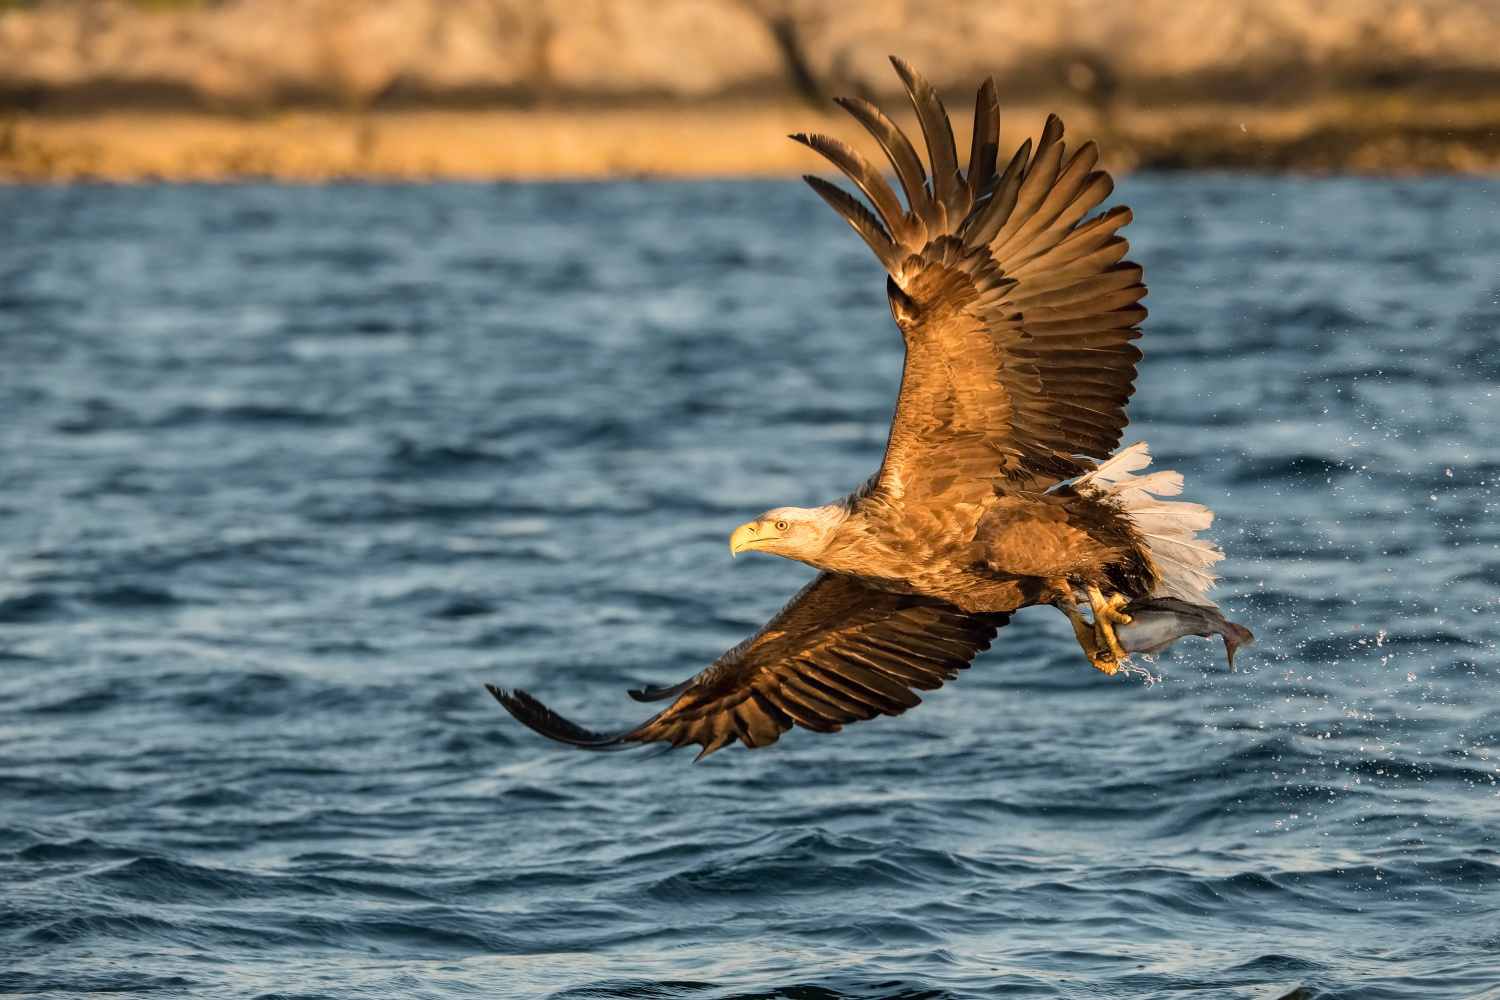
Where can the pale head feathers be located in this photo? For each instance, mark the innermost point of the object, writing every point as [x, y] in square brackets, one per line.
[800, 533]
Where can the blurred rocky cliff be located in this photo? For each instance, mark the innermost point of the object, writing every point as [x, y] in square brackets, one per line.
[1336, 83]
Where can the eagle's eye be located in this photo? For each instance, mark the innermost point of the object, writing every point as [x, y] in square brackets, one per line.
[782, 526]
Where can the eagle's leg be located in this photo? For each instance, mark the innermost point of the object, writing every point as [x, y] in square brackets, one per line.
[1107, 613]
[1083, 629]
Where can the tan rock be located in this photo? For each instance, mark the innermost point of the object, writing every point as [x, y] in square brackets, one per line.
[844, 43]
[605, 87]
[684, 48]
[265, 52]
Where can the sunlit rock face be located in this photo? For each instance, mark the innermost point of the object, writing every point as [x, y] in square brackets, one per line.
[1094, 48]
[247, 54]
[258, 54]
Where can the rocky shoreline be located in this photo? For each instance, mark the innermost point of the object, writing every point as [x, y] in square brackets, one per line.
[133, 90]
[734, 140]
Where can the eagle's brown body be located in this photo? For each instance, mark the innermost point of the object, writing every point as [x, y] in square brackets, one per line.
[1001, 487]
[997, 552]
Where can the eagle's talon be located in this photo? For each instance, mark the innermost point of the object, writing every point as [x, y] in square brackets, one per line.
[1108, 613]
[1099, 654]
[1105, 664]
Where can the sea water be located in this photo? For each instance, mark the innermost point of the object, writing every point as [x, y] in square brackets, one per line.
[287, 474]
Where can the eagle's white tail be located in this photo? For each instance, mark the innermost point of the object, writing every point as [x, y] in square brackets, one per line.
[1169, 527]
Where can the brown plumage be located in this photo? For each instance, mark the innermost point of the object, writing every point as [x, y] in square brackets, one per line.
[994, 494]
[837, 653]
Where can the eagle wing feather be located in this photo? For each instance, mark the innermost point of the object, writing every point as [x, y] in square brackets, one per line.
[1017, 311]
[837, 653]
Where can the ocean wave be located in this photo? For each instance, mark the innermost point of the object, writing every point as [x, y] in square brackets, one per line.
[277, 505]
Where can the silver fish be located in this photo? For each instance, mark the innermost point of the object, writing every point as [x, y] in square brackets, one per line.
[1157, 622]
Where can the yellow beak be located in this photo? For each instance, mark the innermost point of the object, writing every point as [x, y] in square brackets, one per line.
[748, 536]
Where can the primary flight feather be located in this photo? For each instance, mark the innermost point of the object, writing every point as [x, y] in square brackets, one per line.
[998, 489]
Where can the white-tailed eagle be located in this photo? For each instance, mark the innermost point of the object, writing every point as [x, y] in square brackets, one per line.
[999, 489]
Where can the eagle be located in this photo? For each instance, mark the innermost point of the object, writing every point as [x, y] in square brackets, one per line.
[1001, 486]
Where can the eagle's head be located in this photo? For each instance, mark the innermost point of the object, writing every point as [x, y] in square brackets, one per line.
[799, 533]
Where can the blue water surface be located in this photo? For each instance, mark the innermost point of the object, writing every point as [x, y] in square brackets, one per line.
[288, 473]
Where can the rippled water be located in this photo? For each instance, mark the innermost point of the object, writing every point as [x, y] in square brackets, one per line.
[289, 473]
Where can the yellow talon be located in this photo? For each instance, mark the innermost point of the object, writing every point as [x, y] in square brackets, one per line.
[1108, 666]
[1089, 633]
[1108, 612]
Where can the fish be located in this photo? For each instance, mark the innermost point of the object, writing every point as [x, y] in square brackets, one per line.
[1158, 622]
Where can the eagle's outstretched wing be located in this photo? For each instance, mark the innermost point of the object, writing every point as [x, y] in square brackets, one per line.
[1017, 314]
[837, 653]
